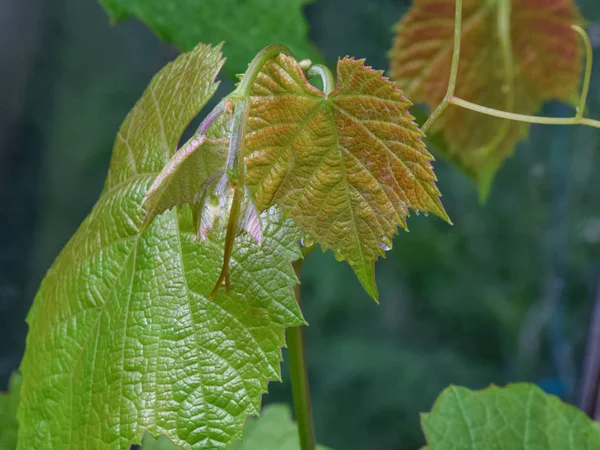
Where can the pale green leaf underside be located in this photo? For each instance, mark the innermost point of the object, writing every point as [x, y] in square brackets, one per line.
[185, 175]
[517, 417]
[346, 167]
[247, 26]
[8, 413]
[122, 338]
[273, 430]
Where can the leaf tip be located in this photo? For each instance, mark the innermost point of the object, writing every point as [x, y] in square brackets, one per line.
[370, 287]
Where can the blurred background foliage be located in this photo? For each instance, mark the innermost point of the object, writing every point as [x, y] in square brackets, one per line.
[505, 294]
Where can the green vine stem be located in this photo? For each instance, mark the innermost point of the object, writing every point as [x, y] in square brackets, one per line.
[299, 377]
[243, 90]
[450, 99]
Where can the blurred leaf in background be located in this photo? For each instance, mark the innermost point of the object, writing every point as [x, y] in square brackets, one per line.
[519, 416]
[514, 66]
[247, 26]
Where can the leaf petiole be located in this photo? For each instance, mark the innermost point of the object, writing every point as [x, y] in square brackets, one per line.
[235, 171]
[242, 92]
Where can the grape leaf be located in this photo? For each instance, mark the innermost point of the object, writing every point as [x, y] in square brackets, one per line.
[518, 417]
[122, 339]
[547, 58]
[246, 26]
[8, 413]
[273, 430]
[346, 167]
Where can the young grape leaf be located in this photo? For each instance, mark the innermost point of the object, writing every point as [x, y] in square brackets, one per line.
[345, 166]
[547, 64]
[273, 430]
[246, 26]
[122, 338]
[8, 413]
[519, 416]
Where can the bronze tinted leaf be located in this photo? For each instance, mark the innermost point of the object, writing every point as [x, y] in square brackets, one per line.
[346, 167]
[547, 59]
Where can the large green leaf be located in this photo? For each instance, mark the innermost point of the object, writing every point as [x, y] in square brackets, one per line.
[273, 430]
[518, 417]
[346, 166]
[8, 413]
[122, 337]
[246, 25]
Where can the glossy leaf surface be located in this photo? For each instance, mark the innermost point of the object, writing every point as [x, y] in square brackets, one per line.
[246, 26]
[122, 338]
[346, 167]
[547, 60]
[517, 417]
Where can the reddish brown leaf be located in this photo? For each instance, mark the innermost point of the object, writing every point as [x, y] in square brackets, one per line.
[547, 58]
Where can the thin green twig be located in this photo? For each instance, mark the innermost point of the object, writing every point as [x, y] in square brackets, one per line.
[453, 70]
[523, 117]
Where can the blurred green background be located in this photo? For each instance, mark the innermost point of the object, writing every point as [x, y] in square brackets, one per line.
[505, 294]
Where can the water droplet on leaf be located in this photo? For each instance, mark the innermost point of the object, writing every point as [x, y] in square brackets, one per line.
[338, 255]
[307, 241]
[385, 244]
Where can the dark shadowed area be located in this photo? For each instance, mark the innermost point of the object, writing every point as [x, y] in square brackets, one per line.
[506, 294]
